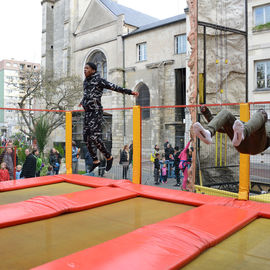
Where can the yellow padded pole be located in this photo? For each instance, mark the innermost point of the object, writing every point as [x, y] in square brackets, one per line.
[244, 167]
[69, 142]
[216, 159]
[136, 179]
[201, 89]
[225, 151]
[220, 150]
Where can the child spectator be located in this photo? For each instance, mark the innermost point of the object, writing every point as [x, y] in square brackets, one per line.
[184, 163]
[4, 174]
[156, 169]
[50, 170]
[18, 171]
[164, 174]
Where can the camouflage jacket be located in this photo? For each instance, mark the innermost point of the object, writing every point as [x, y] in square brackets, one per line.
[93, 89]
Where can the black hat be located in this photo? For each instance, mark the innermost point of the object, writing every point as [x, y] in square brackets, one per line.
[176, 148]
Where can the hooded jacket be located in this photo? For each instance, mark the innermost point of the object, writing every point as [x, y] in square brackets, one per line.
[93, 89]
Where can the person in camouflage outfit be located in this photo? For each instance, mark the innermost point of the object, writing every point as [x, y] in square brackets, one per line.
[93, 86]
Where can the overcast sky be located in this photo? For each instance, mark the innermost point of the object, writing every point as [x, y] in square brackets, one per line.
[20, 24]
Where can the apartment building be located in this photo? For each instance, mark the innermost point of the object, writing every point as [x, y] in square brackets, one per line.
[259, 50]
[11, 91]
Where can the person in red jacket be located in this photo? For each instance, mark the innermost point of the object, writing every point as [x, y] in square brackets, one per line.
[4, 174]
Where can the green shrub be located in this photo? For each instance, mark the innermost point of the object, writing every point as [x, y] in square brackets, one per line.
[60, 149]
[21, 153]
[41, 133]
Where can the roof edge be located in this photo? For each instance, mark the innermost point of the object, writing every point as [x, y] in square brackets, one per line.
[155, 25]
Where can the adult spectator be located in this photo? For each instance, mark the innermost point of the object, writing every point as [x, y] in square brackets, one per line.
[124, 160]
[75, 157]
[166, 144]
[14, 155]
[131, 153]
[102, 165]
[9, 162]
[168, 151]
[55, 160]
[176, 166]
[153, 154]
[39, 162]
[29, 166]
[88, 162]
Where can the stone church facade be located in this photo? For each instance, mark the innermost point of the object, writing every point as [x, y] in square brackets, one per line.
[130, 49]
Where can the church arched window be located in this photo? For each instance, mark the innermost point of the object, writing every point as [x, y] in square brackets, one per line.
[144, 100]
[100, 60]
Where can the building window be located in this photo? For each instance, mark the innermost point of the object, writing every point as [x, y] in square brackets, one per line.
[180, 44]
[263, 74]
[144, 100]
[141, 51]
[22, 66]
[100, 60]
[261, 15]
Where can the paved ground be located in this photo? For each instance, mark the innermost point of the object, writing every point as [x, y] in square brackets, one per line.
[260, 172]
[116, 173]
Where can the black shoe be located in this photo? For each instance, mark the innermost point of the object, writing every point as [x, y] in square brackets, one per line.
[157, 183]
[94, 166]
[176, 185]
[109, 164]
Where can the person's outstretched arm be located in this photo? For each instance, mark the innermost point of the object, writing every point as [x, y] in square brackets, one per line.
[116, 88]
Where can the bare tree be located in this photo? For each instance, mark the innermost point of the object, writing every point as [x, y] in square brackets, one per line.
[39, 91]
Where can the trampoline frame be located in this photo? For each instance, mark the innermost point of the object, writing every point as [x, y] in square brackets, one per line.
[193, 230]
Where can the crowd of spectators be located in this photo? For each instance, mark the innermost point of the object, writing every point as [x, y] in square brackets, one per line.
[29, 165]
[169, 163]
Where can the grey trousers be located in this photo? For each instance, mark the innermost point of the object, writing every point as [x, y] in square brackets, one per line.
[256, 131]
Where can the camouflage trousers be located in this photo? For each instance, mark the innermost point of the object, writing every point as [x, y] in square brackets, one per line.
[92, 133]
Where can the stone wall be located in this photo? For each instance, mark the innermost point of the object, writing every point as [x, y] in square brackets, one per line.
[226, 79]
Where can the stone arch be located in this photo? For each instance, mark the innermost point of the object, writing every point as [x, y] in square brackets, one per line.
[99, 58]
[144, 99]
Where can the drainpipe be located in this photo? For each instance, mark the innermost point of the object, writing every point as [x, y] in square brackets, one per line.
[124, 85]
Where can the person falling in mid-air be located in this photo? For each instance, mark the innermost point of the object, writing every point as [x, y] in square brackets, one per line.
[93, 86]
[251, 138]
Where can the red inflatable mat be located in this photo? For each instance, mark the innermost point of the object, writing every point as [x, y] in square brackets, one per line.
[91, 181]
[195, 199]
[263, 209]
[29, 182]
[42, 207]
[168, 244]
